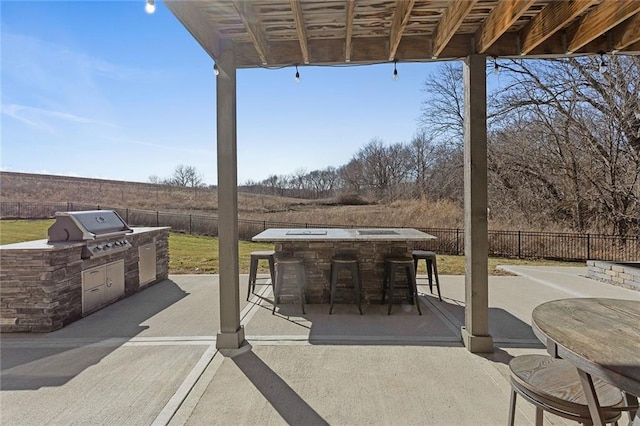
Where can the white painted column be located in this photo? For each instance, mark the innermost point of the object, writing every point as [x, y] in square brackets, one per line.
[475, 332]
[231, 334]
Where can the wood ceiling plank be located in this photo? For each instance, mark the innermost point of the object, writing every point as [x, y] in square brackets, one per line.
[598, 21]
[300, 29]
[196, 23]
[626, 33]
[451, 20]
[401, 15]
[351, 7]
[553, 17]
[501, 18]
[252, 25]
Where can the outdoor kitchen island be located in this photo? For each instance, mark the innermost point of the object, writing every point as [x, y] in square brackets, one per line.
[47, 285]
[317, 246]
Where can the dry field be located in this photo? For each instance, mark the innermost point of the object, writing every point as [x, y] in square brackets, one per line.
[22, 187]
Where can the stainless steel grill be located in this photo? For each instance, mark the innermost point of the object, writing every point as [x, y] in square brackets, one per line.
[103, 231]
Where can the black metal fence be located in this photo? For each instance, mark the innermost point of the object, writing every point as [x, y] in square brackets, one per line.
[515, 244]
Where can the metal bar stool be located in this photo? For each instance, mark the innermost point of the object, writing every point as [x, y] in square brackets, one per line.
[351, 262]
[298, 269]
[431, 265]
[553, 385]
[268, 255]
[391, 265]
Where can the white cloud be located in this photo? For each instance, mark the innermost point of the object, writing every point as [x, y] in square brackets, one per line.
[41, 118]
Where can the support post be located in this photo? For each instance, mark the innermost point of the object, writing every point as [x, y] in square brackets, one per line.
[475, 333]
[231, 334]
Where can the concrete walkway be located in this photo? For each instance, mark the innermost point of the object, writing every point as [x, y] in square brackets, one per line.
[151, 359]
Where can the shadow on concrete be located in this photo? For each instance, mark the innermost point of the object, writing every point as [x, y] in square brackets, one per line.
[439, 324]
[32, 361]
[293, 409]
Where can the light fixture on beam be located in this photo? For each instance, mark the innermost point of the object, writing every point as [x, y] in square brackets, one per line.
[603, 67]
[150, 7]
[297, 79]
[216, 71]
[395, 70]
[496, 67]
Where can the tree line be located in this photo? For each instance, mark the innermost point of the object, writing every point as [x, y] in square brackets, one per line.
[563, 147]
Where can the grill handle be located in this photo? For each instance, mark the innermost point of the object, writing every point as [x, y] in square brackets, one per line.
[110, 234]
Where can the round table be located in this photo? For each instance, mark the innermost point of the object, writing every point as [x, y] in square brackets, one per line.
[601, 337]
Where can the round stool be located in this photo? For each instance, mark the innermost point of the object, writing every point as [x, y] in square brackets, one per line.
[432, 267]
[553, 385]
[298, 268]
[345, 261]
[268, 255]
[391, 265]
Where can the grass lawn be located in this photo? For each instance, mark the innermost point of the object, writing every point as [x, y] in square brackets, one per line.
[193, 254]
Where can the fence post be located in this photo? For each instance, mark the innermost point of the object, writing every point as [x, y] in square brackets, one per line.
[588, 246]
[190, 224]
[457, 242]
[264, 225]
[19, 210]
[157, 218]
[519, 245]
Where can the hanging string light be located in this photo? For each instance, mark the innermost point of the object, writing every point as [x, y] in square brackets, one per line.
[297, 79]
[603, 68]
[216, 71]
[496, 68]
[150, 7]
[395, 70]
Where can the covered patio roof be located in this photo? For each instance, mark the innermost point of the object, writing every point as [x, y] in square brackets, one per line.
[274, 33]
[281, 32]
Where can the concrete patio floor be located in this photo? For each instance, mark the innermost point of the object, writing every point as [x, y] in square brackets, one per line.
[151, 359]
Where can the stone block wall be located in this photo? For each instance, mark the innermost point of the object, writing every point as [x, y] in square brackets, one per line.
[622, 274]
[317, 264]
[41, 283]
[41, 289]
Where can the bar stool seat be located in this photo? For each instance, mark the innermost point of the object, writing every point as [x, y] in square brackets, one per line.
[268, 255]
[296, 264]
[345, 261]
[431, 265]
[553, 385]
[391, 265]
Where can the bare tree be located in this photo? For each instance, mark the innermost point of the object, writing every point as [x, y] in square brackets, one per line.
[186, 176]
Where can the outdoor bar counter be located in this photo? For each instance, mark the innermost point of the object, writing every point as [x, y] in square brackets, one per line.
[317, 246]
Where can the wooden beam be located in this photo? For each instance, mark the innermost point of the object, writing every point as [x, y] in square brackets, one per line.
[451, 20]
[553, 17]
[501, 18]
[401, 16]
[626, 33]
[301, 29]
[252, 24]
[351, 7]
[195, 22]
[601, 19]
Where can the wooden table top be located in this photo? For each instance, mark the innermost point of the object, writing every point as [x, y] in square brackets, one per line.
[599, 336]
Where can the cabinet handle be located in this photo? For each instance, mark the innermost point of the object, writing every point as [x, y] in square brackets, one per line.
[94, 289]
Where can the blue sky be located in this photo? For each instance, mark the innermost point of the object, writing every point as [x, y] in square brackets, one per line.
[101, 89]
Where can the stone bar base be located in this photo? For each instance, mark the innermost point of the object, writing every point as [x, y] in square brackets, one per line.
[317, 263]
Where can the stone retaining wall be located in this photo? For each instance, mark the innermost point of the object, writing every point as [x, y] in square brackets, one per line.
[622, 274]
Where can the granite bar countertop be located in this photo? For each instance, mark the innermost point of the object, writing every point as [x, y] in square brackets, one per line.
[331, 234]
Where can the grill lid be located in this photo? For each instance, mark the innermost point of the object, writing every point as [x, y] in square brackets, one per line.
[87, 225]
